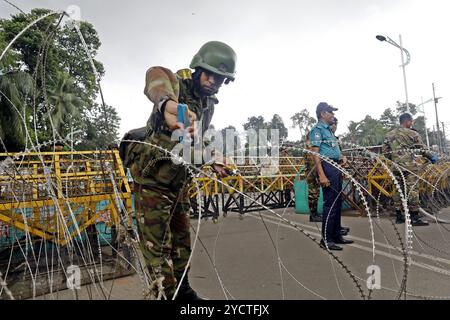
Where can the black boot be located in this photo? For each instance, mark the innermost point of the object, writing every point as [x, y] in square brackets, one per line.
[186, 293]
[416, 221]
[400, 218]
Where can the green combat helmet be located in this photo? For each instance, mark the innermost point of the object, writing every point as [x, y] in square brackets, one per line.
[216, 57]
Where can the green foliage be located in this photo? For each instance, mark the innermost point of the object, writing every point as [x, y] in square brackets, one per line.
[65, 105]
[402, 108]
[371, 132]
[255, 123]
[53, 84]
[277, 123]
[368, 132]
[97, 129]
[303, 121]
[389, 119]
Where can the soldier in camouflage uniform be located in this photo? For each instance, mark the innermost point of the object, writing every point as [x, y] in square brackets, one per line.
[313, 184]
[160, 185]
[400, 145]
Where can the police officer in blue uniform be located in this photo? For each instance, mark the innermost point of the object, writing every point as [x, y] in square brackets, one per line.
[324, 142]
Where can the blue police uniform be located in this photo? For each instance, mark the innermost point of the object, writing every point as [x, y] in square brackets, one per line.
[322, 137]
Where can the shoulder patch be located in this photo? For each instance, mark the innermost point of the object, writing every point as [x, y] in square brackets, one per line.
[317, 135]
[185, 74]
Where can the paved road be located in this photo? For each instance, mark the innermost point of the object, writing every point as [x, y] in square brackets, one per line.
[260, 258]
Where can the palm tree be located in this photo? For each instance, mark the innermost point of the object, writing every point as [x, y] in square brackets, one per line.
[65, 106]
[15, 87]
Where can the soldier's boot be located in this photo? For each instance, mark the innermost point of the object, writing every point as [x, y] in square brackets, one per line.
[186, 293]
[416, 220]
[400, 218]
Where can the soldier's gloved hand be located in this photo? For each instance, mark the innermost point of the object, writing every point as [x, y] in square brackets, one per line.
[434, 159]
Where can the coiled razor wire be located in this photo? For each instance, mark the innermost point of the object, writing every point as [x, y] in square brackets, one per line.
[404, 198]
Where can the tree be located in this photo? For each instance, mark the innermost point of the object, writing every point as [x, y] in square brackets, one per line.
[402, 107]
[15, 86]
[98, 133]
[389, 119]
[65, 86]
[303, 121]
[255, 123]
[278, 124]
[368, 132]
[55, 48]
[65, 105]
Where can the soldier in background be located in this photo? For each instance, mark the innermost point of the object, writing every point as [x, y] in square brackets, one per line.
[403, 145]
[313, 184]
[160, 186]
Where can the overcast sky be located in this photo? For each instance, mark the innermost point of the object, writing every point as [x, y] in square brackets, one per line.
[291, 54]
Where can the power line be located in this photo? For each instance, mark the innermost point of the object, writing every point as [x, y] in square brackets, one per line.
[12, 4]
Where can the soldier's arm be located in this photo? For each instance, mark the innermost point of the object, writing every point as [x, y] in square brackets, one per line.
[162, 88]
[161, 85]
[420, 145]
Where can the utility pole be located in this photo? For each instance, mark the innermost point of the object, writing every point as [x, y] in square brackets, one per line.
[437, 120]
[425, 118]
[444, 144]
[434, 134]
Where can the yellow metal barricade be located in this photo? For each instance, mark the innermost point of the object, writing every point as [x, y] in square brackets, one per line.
[57, 195]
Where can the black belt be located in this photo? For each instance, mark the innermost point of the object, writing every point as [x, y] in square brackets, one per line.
[333, 160]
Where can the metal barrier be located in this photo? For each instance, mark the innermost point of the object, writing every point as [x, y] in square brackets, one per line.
[58, 195]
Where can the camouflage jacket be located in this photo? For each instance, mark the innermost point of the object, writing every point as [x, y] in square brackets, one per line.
[405, 146]
[152, 166]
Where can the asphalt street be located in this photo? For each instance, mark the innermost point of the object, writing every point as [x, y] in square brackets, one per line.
[262, 257]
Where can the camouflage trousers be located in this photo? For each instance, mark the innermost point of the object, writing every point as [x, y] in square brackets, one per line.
[163, 225]
[411, 192]
[313, 188]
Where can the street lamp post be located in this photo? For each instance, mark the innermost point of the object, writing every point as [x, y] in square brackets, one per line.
[408, 57]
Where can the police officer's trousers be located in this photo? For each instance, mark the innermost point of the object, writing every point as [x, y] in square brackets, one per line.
[332, 204]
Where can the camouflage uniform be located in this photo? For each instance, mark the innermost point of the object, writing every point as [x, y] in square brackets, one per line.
[311, 179]
[398, 145]
[161, 199]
